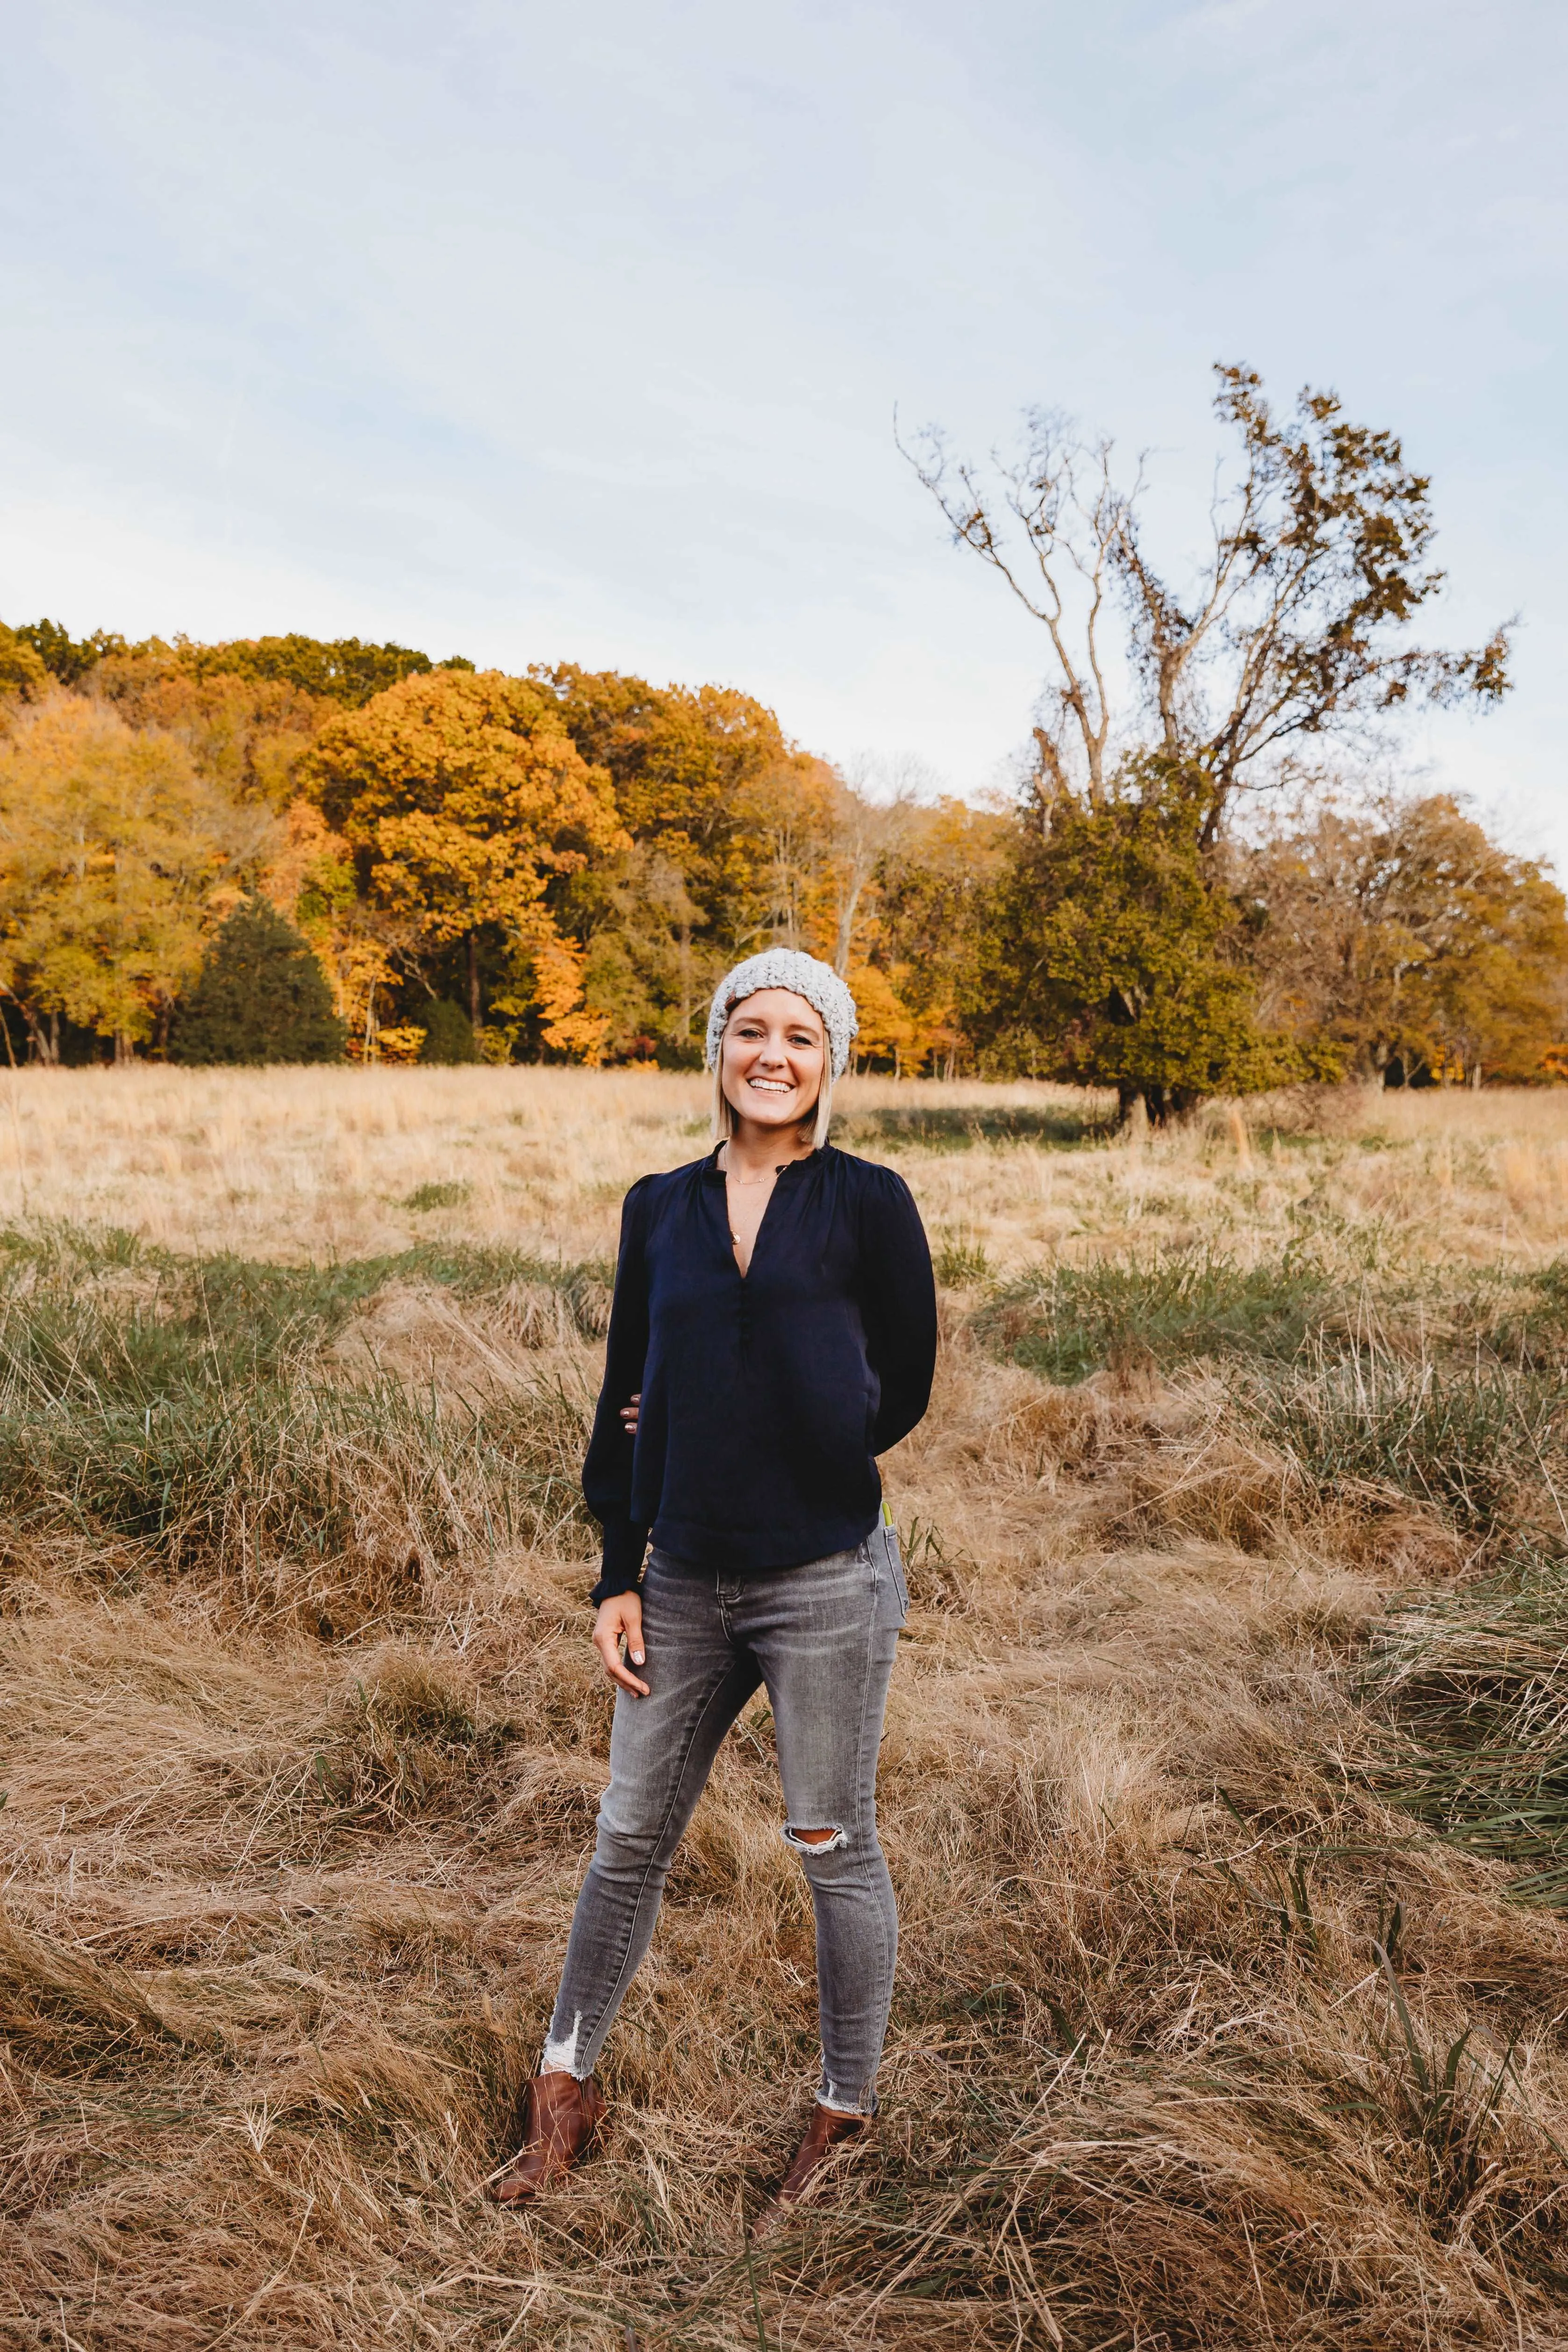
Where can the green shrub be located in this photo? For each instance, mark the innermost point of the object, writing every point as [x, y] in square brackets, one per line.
[448, 1034]
[262, 997]
[959, 1262]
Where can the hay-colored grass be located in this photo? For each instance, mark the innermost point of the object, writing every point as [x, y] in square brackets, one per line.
[290, 1842]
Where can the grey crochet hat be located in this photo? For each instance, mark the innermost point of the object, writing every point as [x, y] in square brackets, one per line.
[819, 983]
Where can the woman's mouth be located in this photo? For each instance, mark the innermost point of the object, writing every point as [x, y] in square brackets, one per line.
[770, 1085]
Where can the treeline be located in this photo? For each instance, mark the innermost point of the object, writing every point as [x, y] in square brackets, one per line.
[280, 848]
[560, 864]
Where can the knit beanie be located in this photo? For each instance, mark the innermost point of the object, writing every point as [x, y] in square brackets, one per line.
[819, 983]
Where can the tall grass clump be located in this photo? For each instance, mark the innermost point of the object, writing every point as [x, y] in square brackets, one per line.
[1477, 1680]
[1479, 1439]
[1068, 1321]
[184, 1413]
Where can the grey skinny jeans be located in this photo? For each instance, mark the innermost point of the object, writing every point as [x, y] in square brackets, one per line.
[822, 1639]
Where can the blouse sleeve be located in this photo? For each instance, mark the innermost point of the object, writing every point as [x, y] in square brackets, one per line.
[607, 1467]
[899, 1301]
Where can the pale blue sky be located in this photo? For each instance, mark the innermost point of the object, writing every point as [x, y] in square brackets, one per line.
[577, 332]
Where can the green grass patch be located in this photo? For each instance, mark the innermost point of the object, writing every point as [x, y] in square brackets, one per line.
[1067, 1322]
[250, 1313]
[951, 1129]
[436, 1196]
[1520, 1317]
[181, 1405]
[1478, 1683]
[1452, 1397]
[959, 1262]
[1479, 1442]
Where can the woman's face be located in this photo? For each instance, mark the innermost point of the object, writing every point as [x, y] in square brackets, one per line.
[773, 1057]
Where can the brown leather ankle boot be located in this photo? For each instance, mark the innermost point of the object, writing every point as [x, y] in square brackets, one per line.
[563, 2115]
[826, 2131]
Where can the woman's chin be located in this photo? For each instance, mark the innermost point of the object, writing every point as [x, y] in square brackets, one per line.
[773, 1111]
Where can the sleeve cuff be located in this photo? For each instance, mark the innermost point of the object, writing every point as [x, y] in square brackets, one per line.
[624, 1546]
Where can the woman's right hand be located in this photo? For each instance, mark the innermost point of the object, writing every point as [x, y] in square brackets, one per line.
[620, 1618]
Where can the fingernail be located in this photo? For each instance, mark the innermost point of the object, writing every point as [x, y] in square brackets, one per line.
[636, 1657]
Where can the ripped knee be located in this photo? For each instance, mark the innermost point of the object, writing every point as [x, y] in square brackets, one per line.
[822, 1840]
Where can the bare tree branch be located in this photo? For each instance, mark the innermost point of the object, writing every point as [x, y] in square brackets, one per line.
[1297, 624]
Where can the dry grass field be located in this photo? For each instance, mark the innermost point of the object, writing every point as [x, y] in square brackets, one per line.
[1225, 1787]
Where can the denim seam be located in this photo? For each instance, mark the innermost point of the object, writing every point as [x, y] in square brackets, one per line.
[618, 1990]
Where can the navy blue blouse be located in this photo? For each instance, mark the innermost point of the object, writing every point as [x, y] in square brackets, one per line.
[766, 1396]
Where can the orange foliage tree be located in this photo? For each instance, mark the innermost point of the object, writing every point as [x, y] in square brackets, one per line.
[463, 799]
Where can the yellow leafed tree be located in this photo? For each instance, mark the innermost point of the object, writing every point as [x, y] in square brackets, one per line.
[311, 882]
[463, 797]
[247, 734]
[22, 676]
[116, 859]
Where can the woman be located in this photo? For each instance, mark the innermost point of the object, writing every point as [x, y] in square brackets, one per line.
[774, 1328]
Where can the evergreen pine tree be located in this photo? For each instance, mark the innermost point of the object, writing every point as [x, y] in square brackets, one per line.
[448, 1034]
[262, 997]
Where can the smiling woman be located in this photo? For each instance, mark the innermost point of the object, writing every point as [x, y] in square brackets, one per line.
[774, 1329]
[773, 1059]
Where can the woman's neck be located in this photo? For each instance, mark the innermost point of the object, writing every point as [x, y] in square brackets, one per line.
[753, 1149]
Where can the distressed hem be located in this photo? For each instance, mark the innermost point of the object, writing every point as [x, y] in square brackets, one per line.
[560, 2056]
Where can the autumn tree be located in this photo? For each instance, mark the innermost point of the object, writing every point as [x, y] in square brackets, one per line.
[793, 812]
[1404, 940]
[938, 914]
[22, 676]
[1297, 628]
[310, 879]
[247, 707]
[464, 802]
[682, 762]
[1298, 631]
[66, 659]
[686, 764]
[247, 734]
[829, 848]
[116, 856]
[647, 959]
[339, 670]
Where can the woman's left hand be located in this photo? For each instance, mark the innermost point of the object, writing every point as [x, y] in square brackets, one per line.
[628, 1415]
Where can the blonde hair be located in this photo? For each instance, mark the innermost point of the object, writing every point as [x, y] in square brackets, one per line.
[724, 1112]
